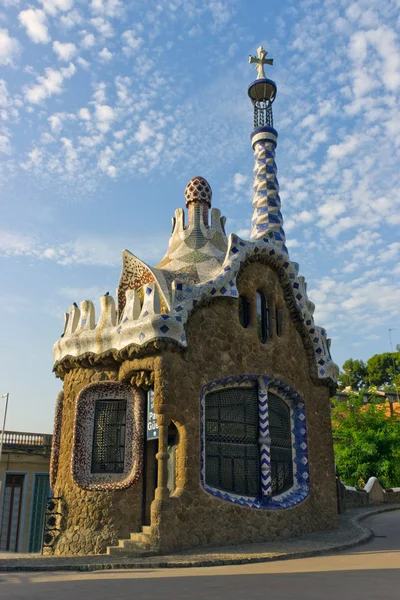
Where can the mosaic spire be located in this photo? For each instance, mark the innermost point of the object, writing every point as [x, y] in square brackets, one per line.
[267, 219]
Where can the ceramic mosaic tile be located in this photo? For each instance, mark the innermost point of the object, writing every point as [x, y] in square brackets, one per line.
[83, 436]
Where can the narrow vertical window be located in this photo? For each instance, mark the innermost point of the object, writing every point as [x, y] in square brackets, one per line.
[244, 311]
[278, 321]
[262, 318]
[281, 444]
[108, 454]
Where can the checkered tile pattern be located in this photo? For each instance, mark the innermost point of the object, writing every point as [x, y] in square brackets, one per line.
[267, 220]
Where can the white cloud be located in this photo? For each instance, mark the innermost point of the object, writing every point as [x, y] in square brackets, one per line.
[71, 155]
[71, 19]
[110, 8]
[131, 41]
[105, 55]
[84, 114]
[239, 180]
[88, 40]
[103, 27]
[143, 133]
[9, 48]
[17, 244]
[5, 145]
[104, 115]
[338, 151]
[35, 22]
[83, 63]
[65, 51]
[48, 84]
[105, 162]
[53, 6]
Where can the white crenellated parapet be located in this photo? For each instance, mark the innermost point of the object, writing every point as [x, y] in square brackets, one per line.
[87, 320]
[151, 301]
[133, 306]
[142, 322]
[139, 323]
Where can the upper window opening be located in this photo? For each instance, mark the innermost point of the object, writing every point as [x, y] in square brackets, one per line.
[108, 454]
[263, 329]
[279, 321]
[244, 311]
[281, 444]
[232, 457]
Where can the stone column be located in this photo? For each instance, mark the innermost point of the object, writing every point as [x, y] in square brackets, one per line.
[267, 219]
[162, 492]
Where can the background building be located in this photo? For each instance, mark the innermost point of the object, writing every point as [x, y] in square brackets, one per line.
[24, 477]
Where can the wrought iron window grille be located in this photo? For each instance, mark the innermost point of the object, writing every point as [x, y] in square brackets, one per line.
[108, 451]
[232, 442]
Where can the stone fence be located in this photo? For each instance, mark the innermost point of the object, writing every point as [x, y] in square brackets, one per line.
[372, 493]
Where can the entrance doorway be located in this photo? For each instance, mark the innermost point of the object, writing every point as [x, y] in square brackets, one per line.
[11, 513]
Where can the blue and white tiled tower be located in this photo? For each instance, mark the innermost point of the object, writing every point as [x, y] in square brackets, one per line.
[267, 219]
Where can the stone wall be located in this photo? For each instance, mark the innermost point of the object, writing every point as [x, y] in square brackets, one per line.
[91, 520]
[372, 493]
[218, 347]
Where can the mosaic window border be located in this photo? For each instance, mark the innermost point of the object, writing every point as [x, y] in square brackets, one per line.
[301, 475]
[56, 440]
[83, 436]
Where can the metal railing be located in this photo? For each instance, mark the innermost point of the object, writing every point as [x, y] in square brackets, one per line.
[26, 439]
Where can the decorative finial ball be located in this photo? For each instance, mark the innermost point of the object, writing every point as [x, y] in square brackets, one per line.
[198, 190]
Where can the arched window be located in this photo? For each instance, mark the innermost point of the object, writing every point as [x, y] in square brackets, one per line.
[244, 311]
[254, 449]
[263, 330]
[278, 321]
[281, 444]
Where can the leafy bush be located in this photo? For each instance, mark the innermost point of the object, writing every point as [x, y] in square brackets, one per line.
[366, 442]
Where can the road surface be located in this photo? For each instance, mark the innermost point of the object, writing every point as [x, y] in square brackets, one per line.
[368, 572]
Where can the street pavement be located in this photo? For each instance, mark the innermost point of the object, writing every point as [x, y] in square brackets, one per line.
[368, 572]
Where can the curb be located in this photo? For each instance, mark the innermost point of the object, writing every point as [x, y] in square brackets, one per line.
[365, 534]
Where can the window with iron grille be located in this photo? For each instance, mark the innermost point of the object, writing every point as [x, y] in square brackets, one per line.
[108, 455]
[232, 457]
[232, 438]
[281, 444]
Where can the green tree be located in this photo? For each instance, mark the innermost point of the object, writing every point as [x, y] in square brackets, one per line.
[383, 368]
[366, 442]
[353, 375]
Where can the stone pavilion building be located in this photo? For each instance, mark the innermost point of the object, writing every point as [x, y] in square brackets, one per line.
[195, 410]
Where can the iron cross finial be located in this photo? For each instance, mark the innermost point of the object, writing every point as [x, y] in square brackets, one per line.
[260, 62]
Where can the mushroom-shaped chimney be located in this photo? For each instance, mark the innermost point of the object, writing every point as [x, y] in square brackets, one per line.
[198, 196]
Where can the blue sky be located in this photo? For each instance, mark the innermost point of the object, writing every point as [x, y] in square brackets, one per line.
[108, 108]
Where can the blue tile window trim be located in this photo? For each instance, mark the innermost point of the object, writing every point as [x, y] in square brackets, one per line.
[301, 475]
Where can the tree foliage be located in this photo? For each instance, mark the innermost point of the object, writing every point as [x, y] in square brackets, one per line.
[381, 371]
[353, 375]
[366, 441]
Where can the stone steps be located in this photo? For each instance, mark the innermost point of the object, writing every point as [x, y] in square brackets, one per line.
[139, 544]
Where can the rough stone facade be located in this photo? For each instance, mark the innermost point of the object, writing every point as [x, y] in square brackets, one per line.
[191, 517]
[91, 520]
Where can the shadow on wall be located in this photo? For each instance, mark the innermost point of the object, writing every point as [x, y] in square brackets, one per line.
[372, 493]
